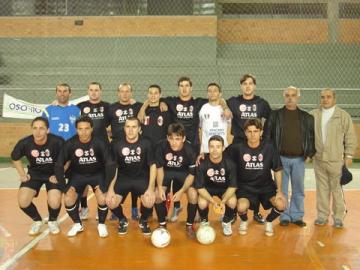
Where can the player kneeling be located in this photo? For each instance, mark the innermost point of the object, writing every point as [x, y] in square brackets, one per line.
[90, 163]
[41, 150]
[255, 159]
[216, 176]
[136, 174]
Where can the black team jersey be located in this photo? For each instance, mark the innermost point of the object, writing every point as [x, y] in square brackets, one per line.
[187, 113]
[182, 160]
[99, 113]
[41, 158]
[254, 165]
[242, 110]
[156, 124]
[133, 159]
[216, 175]
[118, 113]
[86, 159]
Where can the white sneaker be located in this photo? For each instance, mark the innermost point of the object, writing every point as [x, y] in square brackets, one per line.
[76, 228]
[227, 230]
[35, 228]
[84, 213]
[269, 229]
[53, 227]
[243, 227]
[103, 232]
[175, 214]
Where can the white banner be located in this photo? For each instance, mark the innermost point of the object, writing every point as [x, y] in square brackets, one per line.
[17, 108]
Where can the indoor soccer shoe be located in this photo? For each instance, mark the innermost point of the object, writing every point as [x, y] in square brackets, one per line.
[269, 229]
[75, 229]
[35, 228]
[123, 225]
[227, 230]
[84, 213]
[53, 227]
[243, 227]
[103, 232]
[144, 226]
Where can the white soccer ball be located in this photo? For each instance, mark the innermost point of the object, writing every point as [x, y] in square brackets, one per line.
[206, 234]
[160, 237]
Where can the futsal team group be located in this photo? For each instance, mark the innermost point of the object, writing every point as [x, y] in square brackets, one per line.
[231, 156]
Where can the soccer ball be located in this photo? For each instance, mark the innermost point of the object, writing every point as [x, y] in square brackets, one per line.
[160, 237]
[205, 235]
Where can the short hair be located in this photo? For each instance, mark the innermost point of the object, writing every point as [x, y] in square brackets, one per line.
[155, 86]
[292, 88]
[253, 122]
[330, 90]
[125, 84]
[63, 85]
[133, 118]
[214, 84]
[247, 76]
[184, 79]
[177, 129]
[95, 83]
[84, 118]
[42, 119]
[217, 138]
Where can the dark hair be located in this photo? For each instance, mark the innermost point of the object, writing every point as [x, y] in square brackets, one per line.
[84, 118]
[214, 84]
[177, 129]
[155, 86]
[64, 85]
[95, 83]
[247, 76]
[42, 119]
[253, 122]
[217, 138]
[184, 79]
[133, 118]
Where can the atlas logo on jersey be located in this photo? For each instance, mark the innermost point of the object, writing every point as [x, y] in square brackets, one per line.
[184, 112]
[86, 156]
[248, 112]
[173, 161]
[124, 114]
[131, 155]
[217, 176]
[42, 157]
[253, 162]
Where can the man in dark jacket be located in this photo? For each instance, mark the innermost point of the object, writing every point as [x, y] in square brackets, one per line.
[292, 131]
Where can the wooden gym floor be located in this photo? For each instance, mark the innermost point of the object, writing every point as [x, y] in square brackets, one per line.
[291, 247]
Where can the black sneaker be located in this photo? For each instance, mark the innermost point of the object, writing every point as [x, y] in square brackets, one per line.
[162, 225]
[299, 223]
[123, 226]
[190, 232]
[145, 229]
[259, 219]
[284, 223]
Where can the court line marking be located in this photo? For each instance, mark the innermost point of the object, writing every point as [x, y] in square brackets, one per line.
[9, 262]
[5, 231]
[4, 169]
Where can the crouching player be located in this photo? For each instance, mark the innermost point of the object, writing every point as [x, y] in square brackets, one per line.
[216, 176]
[255, 159]
[41, 149]
[91, 164]
[175, 161]
[136, 174]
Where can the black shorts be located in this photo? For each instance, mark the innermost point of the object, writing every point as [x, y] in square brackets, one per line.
[255, 197]
[178, 178]
[36, 184]
[79, 182]
[219, 192]
[137, 186]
